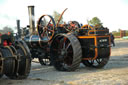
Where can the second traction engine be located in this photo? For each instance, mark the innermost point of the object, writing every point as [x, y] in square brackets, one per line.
[15, 57]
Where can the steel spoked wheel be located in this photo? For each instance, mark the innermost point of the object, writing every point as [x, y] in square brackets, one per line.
[24, 63]
[66, 52]
[46, 27]
[98, 63]
[9, 61]
[14, 52]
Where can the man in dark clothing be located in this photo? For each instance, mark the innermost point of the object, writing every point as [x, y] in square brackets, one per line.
[112, 39]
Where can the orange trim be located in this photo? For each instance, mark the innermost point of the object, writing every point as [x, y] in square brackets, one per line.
[86, 36]
[92, 36]
[86, 26]
[96, 49]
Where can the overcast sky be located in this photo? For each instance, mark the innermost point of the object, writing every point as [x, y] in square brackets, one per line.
[112, 13]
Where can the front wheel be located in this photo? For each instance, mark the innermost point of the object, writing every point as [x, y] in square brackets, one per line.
[98, 63]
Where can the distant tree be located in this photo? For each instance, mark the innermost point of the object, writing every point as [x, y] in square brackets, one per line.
[56, 16]
[7, 29]
[95, 21]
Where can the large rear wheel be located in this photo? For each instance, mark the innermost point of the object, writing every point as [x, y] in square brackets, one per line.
[66, 52]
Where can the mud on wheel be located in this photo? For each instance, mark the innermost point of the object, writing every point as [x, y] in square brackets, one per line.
[65, 52]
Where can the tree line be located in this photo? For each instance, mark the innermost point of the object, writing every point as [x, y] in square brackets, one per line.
[94, 21]
[6, 29]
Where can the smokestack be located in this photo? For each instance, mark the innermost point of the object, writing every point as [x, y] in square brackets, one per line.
[18, 28]
[31, 19]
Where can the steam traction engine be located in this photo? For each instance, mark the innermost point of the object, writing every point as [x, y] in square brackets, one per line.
[15, 58]
[67, 45]
[71, 44]
[91, 47]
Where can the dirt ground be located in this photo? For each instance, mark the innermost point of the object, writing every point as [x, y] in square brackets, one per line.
[114, 73]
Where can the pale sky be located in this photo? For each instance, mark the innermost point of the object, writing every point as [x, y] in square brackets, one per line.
[112, 13]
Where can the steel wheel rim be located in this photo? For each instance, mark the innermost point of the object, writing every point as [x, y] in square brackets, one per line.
[62, 51]
[69, 59]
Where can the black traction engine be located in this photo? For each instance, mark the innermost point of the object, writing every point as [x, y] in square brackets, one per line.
[15, 58]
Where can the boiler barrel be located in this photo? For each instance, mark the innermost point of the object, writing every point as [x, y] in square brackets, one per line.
[34, 41]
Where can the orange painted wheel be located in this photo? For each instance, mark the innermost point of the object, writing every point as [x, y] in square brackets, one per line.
[46, 27]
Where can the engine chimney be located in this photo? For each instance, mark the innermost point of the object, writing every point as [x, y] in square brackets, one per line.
[18, 28]
[31, 19]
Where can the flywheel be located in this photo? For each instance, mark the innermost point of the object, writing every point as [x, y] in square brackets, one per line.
[46, 28]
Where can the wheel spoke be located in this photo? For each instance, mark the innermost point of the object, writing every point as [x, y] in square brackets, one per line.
[50, 30]
[47, 34]
[98, 61]
[43, 34]
[46, 29]
[65, 60]
[68, 46]
[48, 23]
[92, 62]
[64, 43]
[40, 26]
